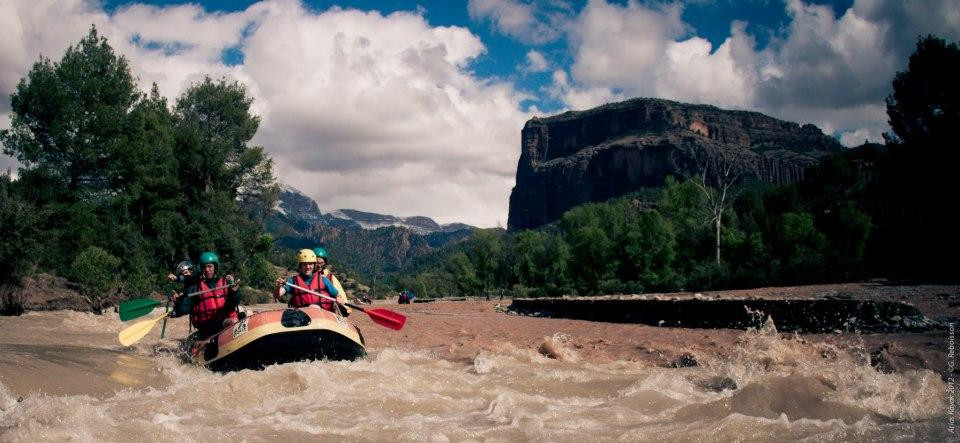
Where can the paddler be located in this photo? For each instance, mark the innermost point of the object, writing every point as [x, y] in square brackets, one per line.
[310, 278]
[214, 310]
[323, 262]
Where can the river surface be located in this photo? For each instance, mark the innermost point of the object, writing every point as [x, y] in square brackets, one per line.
[64, 376]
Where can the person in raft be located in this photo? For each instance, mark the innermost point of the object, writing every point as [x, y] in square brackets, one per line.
[183, 271]
[309, 278]
[323, 260]
[211, 311]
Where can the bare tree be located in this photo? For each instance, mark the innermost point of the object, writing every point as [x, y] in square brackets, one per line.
[718, 170]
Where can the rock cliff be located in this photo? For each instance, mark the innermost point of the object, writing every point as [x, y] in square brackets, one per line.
[586, 156]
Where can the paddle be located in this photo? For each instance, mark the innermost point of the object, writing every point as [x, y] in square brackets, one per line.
[139, 330]
[382, 317]
[136, 308]
[139, 307]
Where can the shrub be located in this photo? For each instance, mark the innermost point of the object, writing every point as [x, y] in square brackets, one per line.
[96, 271]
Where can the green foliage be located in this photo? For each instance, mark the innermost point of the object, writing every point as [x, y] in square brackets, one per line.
[484, 249]
[19, 227]
[463, 274]
[259, 273]
[96, 271]
[801, 247]
[924, 108]
[68, 117]
[650, 247]
[110, 169]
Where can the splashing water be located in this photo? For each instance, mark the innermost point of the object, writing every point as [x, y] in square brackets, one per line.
[771, 389]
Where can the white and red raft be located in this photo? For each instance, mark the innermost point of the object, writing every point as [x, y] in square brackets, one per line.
[280, 336]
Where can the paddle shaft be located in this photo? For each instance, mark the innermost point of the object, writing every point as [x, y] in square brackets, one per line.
[382, 317]
[326, 297]
[192, 294]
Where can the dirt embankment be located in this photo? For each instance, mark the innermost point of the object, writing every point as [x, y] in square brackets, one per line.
[43, 292]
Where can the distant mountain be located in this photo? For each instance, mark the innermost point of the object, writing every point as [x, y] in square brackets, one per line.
[295, 205]
[364, 242]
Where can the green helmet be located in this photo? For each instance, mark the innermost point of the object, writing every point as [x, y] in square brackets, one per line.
[209, 257]
[321, 253]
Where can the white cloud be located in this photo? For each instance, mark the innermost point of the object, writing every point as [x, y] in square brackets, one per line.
[359, 110]
[827, 70]
[535, 62]
[622, 46]
[529, 21]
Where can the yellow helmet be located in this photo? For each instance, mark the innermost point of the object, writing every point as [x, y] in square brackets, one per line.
[306, 256]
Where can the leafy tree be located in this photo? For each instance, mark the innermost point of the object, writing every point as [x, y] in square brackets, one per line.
[531, 257]
[68, 117]
[684, 206]
[924, 108]
[590, 231]
[96, 270]
[464, 274]
[650, 248]
[20, 229]
[485, 247]
[802, 246]
[217, 168]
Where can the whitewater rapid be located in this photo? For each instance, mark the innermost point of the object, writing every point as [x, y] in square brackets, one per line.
[64, 377]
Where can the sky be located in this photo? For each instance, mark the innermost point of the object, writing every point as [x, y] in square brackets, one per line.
[416, 107]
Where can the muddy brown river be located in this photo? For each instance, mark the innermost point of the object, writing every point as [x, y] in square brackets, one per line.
[64, 376]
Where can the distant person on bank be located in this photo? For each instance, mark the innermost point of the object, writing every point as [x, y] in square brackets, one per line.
[309, 278]
[211, 311]
[323, 262]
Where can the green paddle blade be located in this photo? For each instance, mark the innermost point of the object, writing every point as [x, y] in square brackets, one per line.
[137, 308]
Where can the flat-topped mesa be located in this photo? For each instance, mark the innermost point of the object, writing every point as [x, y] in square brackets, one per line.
[588, 156]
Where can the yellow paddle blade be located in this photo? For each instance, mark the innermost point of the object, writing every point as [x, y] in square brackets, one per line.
[138, 330]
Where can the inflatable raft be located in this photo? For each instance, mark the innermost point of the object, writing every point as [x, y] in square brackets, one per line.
[280, 336]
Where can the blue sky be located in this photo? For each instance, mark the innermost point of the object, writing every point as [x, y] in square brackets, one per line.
[415, 108]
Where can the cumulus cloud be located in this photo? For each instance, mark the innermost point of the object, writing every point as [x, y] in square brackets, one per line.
[359, 110]
[827, 70]
[535, 62]
[532, 22]
[381, 111]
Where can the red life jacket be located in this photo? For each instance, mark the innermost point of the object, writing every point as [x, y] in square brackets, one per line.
[301, 299]
[209, 306]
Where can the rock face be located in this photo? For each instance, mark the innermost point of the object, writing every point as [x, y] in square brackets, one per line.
[579, 157]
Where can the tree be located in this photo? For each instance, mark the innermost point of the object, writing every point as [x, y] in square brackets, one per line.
[20, 229]
[801, 247]
[530, 249]
[464, 274]
[590, 231]
[68, 117]
[924, 108]
[718, 171]
[485, 247]
[96, 270]
[218, 169]
[915, 230]
[649, 244]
